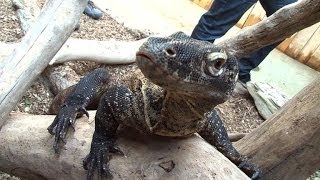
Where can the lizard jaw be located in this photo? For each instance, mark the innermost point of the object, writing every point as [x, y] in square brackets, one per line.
[152, 70]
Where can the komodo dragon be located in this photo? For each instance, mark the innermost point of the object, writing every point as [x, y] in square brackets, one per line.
[173, 94]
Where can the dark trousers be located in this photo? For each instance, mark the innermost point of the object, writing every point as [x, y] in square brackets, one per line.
[222, 15]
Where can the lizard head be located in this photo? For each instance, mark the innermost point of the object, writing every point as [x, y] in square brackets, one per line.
[187, 66]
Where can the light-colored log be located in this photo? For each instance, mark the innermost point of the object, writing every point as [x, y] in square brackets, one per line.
[37, 48]
[107, 52]
[110, 52]
[27, 151]
[287, 145]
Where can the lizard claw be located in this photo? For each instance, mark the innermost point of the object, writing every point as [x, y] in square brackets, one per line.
[59, 127]
[84, 111]
[116, 150]
[251, 170]
[98, 158]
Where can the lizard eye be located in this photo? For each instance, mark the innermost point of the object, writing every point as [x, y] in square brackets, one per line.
[170, 52]
[215, 63]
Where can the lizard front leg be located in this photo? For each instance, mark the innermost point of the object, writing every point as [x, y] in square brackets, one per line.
[215, 133]
[113, 108]
[85, 91]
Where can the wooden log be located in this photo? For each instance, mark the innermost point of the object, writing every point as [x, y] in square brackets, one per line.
[27, 152]
[281, 24]
[236, 136]
[110, 52]
[287, 145]
[37, 48]
[107, 52]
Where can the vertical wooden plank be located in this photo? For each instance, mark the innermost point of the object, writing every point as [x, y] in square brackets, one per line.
[300, 40]
[314, 60]
[256, 15]
[244, 18]
[311, 46]
[284, 45]
[196, 2]
[203, 3]
[208, 4]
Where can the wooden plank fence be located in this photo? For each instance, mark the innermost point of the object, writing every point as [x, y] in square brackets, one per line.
[303, 46]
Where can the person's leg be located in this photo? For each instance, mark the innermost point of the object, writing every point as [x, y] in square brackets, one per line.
[222, 15]
[271, 6]
[246, 64]
[252, 61]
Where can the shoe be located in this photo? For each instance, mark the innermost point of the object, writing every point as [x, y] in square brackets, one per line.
[92, 11]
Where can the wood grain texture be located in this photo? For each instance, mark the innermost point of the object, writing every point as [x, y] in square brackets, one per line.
[27, 152]
[287, 145]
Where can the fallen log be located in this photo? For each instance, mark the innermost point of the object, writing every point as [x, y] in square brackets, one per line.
[27, 152]
[109, 52]
[36, 49]
[287, 145]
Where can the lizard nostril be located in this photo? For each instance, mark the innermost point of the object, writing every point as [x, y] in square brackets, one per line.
[170, 52]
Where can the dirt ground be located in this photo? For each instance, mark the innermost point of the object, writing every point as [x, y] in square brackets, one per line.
[238, 113]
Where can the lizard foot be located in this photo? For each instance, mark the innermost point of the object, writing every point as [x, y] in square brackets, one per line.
[99, 158]
[62, 122]
[251, 170]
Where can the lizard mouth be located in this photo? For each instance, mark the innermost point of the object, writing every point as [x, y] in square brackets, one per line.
[143, 55]
[152, 70]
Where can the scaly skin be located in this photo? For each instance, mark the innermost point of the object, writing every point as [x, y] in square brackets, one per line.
[180, 82]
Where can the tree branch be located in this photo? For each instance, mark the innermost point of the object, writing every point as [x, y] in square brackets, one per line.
[282, 24]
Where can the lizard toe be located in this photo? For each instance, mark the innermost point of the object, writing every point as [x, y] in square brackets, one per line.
[251, 170]
[98, 159]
